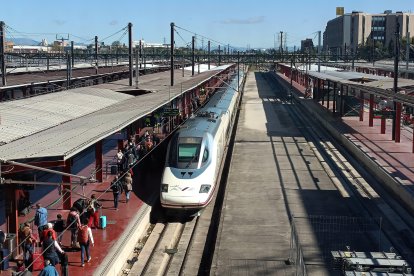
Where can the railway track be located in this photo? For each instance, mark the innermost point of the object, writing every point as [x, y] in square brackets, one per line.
[166, 247]
[369, 198]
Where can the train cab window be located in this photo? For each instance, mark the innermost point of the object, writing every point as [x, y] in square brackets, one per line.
[205, 156]
[188, 152]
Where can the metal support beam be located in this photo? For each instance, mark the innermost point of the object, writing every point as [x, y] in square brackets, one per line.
[361, 106]
[396, 60]
[99, 161]
[2, 54]
[172, 53]
[208, 57]
[398, 123]
[72, 53]
[96, 55]
[192, 55]
[371, 110]
[219, 56]
[130, 53]
[67, 188]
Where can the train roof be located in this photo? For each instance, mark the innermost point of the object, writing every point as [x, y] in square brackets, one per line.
[208, 118]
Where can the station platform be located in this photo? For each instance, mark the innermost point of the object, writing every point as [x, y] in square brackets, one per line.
[117, 220]
[275, 181]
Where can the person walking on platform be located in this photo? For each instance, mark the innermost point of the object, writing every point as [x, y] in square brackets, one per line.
[93, 210]
[40, 218]
[49, 269]
[119, 158]
[59, 227]
[116, 190]
[127, 186]
[85, 238]
[50, 246]
[73, 223]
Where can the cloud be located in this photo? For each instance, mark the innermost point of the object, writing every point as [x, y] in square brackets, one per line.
[59, 22]
[113, 23]
[250, 20]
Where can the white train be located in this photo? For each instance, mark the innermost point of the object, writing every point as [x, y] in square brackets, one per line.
[195, 153]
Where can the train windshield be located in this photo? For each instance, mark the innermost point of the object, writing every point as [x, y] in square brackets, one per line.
[185, 152]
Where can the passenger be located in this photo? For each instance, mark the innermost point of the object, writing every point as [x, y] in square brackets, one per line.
[116, 190]
[25, 233]
[85, 238]
[73, 223]
[155, 139]
[27, 245]
[93, 210]
[148, 143]
[59, 227]
[50, 246]
[45, 233]
[40, 218]
[119, 157]
[127, 186]
[49, 269]
[131, 159]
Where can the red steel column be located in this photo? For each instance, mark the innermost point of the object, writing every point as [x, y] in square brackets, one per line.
[371, 110]
[361, 106]
[413, 143]
[383, 123]
[99, 161]
[398, 123]
[67, 188]
[12, 216]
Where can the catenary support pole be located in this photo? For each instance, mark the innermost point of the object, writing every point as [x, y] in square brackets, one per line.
[2, 54]
[396, 60]
[208, 57]
[172, 53]
[130, 53]
[192, 55]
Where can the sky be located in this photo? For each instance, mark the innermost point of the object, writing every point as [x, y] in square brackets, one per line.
[239, 23]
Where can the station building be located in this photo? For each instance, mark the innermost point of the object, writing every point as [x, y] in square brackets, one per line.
[345, 32]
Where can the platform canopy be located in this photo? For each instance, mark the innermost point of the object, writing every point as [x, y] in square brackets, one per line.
[81, 118]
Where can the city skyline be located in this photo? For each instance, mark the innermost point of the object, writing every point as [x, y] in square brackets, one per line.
[255, 24]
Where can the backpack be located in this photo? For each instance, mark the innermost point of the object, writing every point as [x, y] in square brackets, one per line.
[83, 234]
[115, 188]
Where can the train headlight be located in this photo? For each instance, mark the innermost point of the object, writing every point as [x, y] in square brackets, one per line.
[205, 188]
[164, 188]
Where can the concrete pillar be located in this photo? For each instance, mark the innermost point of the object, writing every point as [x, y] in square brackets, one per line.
[99, 161]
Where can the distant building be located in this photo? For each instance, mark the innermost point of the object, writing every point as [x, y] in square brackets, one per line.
[306, 45]
[344, 33]
[8, 45]
[145, 44]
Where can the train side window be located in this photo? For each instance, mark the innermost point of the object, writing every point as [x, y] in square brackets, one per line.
[205, 156]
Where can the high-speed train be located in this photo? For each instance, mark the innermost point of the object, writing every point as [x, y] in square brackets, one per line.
[195, 153]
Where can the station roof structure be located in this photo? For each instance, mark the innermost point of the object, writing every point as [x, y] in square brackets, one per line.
[378, 85]
[42, 129]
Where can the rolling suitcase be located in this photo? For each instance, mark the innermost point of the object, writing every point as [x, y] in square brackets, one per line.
[37, 259]
[102, 222]
[4, 257]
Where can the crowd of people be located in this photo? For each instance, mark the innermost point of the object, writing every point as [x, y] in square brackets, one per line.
[43, 250]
